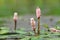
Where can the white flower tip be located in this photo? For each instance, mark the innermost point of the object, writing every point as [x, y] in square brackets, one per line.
[15, 13]
[32, 19]
[15, 16]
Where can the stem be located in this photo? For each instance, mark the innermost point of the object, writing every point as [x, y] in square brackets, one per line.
[48, 29]
[38, 26]
[15, 24]
[34, 31]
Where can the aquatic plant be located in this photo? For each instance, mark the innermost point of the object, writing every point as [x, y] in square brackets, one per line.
[33, 25]
[38, 14]
[15, 18]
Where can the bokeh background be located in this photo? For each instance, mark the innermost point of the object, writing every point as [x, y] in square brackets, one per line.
[50, 10]
[23, 7]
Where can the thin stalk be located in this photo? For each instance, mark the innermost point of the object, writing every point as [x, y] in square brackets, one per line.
[48, 29]
[38, 26]
[15, 23]
[35, 31]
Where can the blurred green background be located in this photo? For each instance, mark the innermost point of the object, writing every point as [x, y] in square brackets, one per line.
[48, 7]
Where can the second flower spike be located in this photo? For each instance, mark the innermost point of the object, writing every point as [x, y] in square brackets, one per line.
[32, 21]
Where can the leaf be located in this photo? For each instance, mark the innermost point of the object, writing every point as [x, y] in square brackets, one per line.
[3, 30]
[56, 34]
[4, 36]
[53, 39]
[57, 27]
[30, 33]
[36, 38]
[26, 38]
[21, 32]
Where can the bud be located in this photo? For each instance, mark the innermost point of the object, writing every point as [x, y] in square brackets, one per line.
[52, 29]
[57, 30]
[15, 16]
[32, 21]
[38, 12]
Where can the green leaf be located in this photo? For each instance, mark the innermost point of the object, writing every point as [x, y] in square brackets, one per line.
[57, 27]
[53, 39]
[3, 36]
[56, 33]
[3, 30]
[30, 33]
[36, 38]
[26, 38]
[21, 32]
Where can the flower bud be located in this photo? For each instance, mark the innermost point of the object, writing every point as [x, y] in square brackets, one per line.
[52, 29]
[32, 21]
[15, 16]
[38, 12]
[57, 30]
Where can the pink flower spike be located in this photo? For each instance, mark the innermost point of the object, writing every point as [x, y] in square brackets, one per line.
[15, 16]
[38, 12]
[32, 21]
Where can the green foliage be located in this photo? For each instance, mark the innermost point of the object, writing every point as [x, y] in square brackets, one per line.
[46, 26]
[53, 39]
[3, 36]
[57, 27]
[8, 7]
[20, 33]
[3, 30]
[2, 22]
[58, 22]
[26, 38]
[36, 38]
